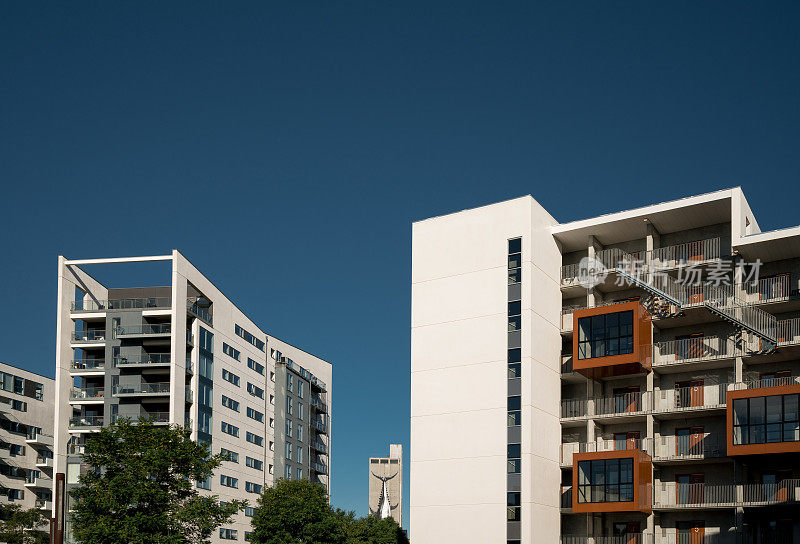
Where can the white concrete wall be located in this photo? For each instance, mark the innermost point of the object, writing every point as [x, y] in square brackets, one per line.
[459, 374]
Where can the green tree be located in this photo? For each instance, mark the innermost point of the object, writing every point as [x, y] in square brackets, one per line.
[297, 512]
[139, 488]
[19, 526]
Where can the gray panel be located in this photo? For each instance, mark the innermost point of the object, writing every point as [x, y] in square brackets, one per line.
[515, 339]
[514, 529]
[514, 482]
[515, 292]
[514, 387]
[515, 435]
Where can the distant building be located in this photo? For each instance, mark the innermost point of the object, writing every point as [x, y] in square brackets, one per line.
[386, 484]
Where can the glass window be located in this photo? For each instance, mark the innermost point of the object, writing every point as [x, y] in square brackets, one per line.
[514, 370]
[514, 403]
[770, 419]
[605, 480]
[514, 355]
[605, 335]
[514, 451]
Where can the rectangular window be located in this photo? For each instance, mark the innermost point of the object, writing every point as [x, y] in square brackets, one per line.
[204, 422]
[230, 377]
[254, 463]
[249, 511]
[205, 392]
[288, 428]
[228, 455]
[299, 410]
[763, 420]
[206, 365]
[252, 365]
[204, 484]
[300, 387]
[299, 473]
[605, 335]
[259, 344]
[206, 340]
[605, 480]
[289, 382]
[289, 405]
[255, 390]
[227, 428]
[289, 472]
[228, 481]
[300, 432]
[254, 439]
[299, 457]
[228, 534]
[250, 487]
[289, 450]
[515, 261]
[231, 352]
[255, 414]
[228, 402]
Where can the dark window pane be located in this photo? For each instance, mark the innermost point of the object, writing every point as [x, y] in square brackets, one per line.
[740, 412]
[757, 405]
[790, 407]
[514, 276]
[515, 355]
[514, 261]
[514, 451]
[515, 246]
[515, 499]
[514, 370]
[515, 308]
[774, 409]
[514, 403]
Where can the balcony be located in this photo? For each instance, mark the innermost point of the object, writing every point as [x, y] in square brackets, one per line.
[141, 389]
[161, 330]
[43, 504]
[120, 304]
[44, 462]
[319, 468]
[86, 366]
[88, 337]
[785, 492]
[788, 332]
[86, 422]
[627, 538]
[319, 446]
[319, 425]
[87, 395]
[690, 253]
[203, 312]
[318, 404]
[693, 350]
[35, 480]
[318, 384]
[692, 447]
[767, 290]
[36, 438]
[569, 449]
[691, 398]
[150, 360]
[677, 496]
[157, 418]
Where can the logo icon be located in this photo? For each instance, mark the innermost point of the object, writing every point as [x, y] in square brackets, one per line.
[591, 272]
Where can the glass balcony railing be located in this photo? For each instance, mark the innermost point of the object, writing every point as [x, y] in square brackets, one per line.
[318, 403]
[87, 393]
[319, 468]
[153, 417]
[147, 359]
[319, 425]
[319, 445]
[121, 304]
[143, 330]
[89, 336]
[142, 389]
[199, 311]
[85, 421]
[89, 365]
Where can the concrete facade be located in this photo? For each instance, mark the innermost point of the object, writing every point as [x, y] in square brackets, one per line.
[494, 430]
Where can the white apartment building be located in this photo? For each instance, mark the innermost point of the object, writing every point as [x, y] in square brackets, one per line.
[184, 354]
[26, 438]
[569, 383]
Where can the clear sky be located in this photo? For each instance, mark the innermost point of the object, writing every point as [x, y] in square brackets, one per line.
[286, 147]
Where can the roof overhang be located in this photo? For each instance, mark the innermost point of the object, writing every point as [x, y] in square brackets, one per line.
[774, 245]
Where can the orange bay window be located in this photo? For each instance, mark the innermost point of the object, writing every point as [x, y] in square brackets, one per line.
[612, 481]
[764, 420]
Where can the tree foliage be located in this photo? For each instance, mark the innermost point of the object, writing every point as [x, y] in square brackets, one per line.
[297, 512]
[19, 526]
[138, 488]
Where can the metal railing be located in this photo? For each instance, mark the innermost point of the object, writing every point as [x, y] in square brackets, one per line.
[691, 398]
[774, 289]
[144, 329]
[766, 382]
[161, 388]
[627, 538]
[687, 447]
[642, 402]
[319, 446]
[621, 405]
[86, 421]
[147, 359]
[694, 252]
[203, 313]
[568, 449]
[153, 417]
[319, 425]
[88, 305]
[88, 364]
[705, 348]
[787, 491]
[89, 336]
[318, 467]
[696, 538]
[788, 331]
[317, 403]
[87, 393]
[673, 494]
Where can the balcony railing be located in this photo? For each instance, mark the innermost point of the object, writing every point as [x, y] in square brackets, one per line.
[767, 382]
[143, 330]
[691, 398]
[154, 417]
[688, 253]
[699, 397]
[319, 445]
[679, 495]
[85, 421]
[319, 468]
[624, 404]
[319, 425]
[203, 313]
[37, 437]
[787, 491]
[149, 359]
[707, 348]
[318, 403]
[687, 447]
[121, 304]
[89, 365]
[627, 538]
[161, 388]
[570, 448]
[775, 289]
[87, 393]
[788, 331]
[688, 537]
[89, 336]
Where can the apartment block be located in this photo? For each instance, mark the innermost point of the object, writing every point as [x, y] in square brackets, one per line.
[26, 438]
[630, 378]
[386, 485]
[182, 353]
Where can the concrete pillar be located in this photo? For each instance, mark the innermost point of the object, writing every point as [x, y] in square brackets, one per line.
[739, 369]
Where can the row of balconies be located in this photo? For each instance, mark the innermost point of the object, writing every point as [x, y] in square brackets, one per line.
[694, 536]
[86, 305]
[661, 448]
[98, 393]
[129, 331]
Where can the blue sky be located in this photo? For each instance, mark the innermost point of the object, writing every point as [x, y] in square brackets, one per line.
[286, 147]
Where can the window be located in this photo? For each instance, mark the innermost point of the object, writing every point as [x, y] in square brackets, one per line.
[228, 534]
[299, 410]
[289, 472]
[272, 376]
[514, 458]
[252, 365]
[300, 432]
[289, 382]
[605, 335]
[289, 450]
[204, 422]
[254, 438]
[228, 481]
[514, 316]
[206, 365]
[255, 414]
[289, 405]
[232, 352]
[204, 484]
[206, 340]
[299, 457]
[250, 487]
[228, 402]
[515, 261]
[299, 473]
[249, 511]
[514, 411]
[288, 428]
[228, 455]
[605, 480]
[255, 391]
[230, 377]
[259, 344]
[254, 463]
[205, 392]
[514, 370]
[227, 428]
[513, 504]
[300, 387]
[761, 420]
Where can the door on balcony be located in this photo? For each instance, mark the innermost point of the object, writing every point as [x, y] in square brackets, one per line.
[627, 399]
[776, 485]
[772, 379]
[689, 346]
[627, 532]
[691, 532]
[690, 488]
[689, 393]
[689, 441]
[627, 441]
